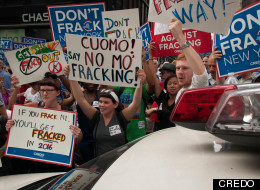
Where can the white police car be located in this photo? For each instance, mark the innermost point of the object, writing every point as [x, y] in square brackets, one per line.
[182, 158]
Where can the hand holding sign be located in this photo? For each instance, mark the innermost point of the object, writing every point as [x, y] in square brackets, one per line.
[216, 54]
[44, 135]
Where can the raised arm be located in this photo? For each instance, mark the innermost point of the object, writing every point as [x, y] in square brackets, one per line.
[130, 111]
[149, 77]
[216, 54]
[191, 55]
[87, 109]
[14, 95]
[153, 69]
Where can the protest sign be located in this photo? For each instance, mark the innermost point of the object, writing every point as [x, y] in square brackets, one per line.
[31, 40]
[79, 178]
[83, 19]
[146, 37]
[31, 63]
[107, 61]
[7, 44]
[212, 16]
[122, 24]
[19, 45]
[167, 45]
[44, 135]
[2, 55]
[241, 46]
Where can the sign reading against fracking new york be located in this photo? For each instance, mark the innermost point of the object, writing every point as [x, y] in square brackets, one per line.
[108, 61]
[241, 46]
[31, 63]
[41, 134]
[83, 19]
[122, 24]
[212, 16]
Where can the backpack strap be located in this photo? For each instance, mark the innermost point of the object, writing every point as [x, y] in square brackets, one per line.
[121, 123]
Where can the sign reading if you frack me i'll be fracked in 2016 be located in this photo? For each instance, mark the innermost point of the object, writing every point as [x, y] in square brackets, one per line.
[107, 61]
[44, 135]
[31, 63]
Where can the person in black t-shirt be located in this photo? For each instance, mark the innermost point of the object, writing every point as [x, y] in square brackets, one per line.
[165, 99]
[110, 122]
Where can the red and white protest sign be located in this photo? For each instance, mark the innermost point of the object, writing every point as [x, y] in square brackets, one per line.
[166, 45]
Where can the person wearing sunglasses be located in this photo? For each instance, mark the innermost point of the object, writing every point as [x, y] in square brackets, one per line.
[111, 121]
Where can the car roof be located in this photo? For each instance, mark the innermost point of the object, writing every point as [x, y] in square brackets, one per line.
[180, 158]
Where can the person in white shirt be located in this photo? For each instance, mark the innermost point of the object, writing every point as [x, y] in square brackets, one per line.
[32, 94]
[190, 70]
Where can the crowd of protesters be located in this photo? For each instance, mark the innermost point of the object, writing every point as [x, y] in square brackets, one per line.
[105, 120]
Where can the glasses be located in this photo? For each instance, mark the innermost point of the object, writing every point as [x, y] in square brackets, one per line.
[47, 91]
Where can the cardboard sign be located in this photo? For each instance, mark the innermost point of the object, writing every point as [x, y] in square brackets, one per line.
[7, 44]
[20, 45]
[146, 37]
[83, 19]
[44, 135]
[167, 45]
[31, 63]
[212, 16]
[31, 40]
[122, 24]
[107, 61]
[79, 179]
[241, 46]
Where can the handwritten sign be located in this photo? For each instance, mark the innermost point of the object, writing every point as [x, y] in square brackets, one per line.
[31, 40]
[31, 63]
[19, 45]
[44, 135]
[167, 45]
[108, 61]
[241, 46]
[76, 179]
[122, 24]
[7, 44]
[212, 16]
[83, 19]
[146, 37]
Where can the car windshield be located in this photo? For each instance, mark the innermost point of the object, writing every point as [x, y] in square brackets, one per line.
[84, 176]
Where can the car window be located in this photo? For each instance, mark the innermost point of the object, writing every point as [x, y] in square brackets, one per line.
[86, 175]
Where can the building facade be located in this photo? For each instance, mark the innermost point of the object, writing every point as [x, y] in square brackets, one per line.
[30, 17]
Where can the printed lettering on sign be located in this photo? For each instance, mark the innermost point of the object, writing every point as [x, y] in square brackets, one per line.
[82, 19]
[241, 46]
